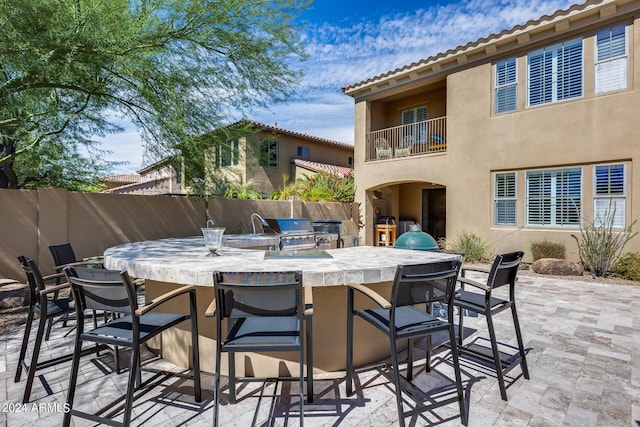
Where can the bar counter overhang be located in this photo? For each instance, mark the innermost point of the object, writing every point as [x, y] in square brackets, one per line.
[169, 263]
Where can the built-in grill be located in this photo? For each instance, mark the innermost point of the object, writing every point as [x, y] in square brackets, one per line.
[330, 227]
[294, 233]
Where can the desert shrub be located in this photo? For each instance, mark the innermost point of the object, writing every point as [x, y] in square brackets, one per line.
[547, 249]
[628, 266]
[475, 248]
[600, 244]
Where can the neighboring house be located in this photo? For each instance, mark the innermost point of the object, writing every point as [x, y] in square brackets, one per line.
[115, 181]
[156, 179]
[263, 158]
[514, 137]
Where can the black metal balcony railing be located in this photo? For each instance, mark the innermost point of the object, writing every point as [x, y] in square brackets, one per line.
[413, 139]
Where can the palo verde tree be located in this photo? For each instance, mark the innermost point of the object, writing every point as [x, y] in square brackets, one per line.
[175, 68]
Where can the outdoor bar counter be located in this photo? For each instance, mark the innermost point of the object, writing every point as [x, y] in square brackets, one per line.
[169, 263]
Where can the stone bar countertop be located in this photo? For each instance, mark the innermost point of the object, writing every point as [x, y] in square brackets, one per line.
[187, 261]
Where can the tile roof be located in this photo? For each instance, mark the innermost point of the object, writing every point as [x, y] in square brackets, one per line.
[295, 133]
[482, 43]
[124, 178]
[322, 167]
[160, 163]
[137, 186]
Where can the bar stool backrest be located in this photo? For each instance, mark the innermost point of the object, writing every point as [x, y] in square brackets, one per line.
[424, 283]
[98, 289]
[34, 278]
[62, 254]
[504, 269]
[249, 294]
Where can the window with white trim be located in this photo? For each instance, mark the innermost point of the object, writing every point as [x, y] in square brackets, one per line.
[506, 96]
[609, 194]
[554, 197]
[228, 154]
[554, 73]
[504, 198]
[269, 153]
[611, 59]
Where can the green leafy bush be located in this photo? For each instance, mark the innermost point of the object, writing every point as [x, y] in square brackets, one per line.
[628, 266]
[475, 248]
[242, 191]
[321, 187]
[547, 249]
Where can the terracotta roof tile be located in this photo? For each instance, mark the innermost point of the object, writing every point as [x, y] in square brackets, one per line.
[322, 167]
[294, 133]
[124, 178]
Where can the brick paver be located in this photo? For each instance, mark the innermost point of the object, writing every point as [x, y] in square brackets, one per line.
[583, 342]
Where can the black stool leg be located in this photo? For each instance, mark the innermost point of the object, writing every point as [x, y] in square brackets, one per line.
[195, 349]
[25, 343]
[232, 376]
[34, 357]
[349, 380]
[523, 356]
[73, 379]
[396, 380]
[496, 357]
[456, 367]
[309, 344]
[134, 376]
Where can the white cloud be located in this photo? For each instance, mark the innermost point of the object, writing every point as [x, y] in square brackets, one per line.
[124, 147]
[345, 54]
[342, 55]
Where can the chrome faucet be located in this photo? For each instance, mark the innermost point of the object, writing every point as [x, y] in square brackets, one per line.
[264, 223]
[210, 221]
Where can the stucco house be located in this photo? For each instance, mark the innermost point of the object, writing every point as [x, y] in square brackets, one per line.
[515, 137]
[270, 153]
[159, 178]
[262, 158]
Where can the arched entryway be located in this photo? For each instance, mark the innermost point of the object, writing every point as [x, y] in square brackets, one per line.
[409, 202]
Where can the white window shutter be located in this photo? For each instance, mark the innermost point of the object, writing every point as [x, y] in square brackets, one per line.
[505, 198]
[610, 194]
[611, 59]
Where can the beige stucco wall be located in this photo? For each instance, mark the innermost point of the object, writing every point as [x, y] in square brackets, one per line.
[581, 132]
[268, 179]
[34, 219]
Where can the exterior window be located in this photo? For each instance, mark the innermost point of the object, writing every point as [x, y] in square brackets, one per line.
[504, 198]
[506, 98]
[611, 59]
[228, 154]
[303, 152]
[350, 161]
[554, 197]
[554, 73]
[269, 153]
[417, 131]
[610, 194]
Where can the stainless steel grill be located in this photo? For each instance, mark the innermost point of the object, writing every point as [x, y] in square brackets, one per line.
[332, 228]
[294, 233]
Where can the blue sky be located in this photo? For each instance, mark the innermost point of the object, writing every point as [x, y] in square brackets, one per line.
[352, 40]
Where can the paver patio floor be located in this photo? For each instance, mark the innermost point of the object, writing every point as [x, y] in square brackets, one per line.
[583, 342]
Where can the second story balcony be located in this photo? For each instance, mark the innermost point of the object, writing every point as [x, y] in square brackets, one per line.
[413, 139]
